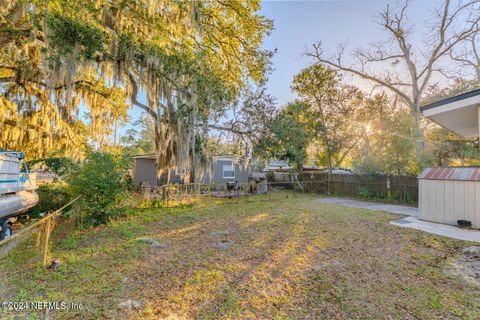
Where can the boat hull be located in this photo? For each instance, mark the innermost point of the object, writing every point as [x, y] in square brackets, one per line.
[14, 204]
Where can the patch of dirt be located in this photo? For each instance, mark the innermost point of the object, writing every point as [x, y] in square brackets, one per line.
[152, 242]
[225, 245]
[130, 304]
[468, 266]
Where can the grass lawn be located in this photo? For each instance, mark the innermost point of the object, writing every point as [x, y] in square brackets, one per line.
[277, 256]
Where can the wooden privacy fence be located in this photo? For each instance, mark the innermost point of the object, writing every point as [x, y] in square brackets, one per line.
[398, 188]
[44, 227]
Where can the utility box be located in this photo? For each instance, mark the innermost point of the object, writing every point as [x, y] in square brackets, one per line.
[449, 194]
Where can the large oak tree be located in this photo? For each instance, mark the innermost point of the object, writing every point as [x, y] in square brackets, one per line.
[184, 63]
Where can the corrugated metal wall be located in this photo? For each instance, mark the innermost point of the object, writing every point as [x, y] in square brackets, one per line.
[447, 201]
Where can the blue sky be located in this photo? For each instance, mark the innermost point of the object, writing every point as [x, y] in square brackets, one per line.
[300, 23]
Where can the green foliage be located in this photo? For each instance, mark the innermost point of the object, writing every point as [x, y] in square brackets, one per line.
[216, 147]
[59, 165]
[51, 197]
[103, 182]
[126, 46]
[388, 146]
[447, 148]
[286, 138]
[270, 176]
[140, 139]
[62, 56]
[66, 34]
[364, 192]
[331, 112]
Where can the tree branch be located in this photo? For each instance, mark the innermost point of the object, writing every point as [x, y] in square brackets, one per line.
[134, 99]
[317, 54]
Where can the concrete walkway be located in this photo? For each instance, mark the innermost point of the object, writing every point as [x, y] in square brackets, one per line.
[438, 229]
[411, 221]
[404, 210]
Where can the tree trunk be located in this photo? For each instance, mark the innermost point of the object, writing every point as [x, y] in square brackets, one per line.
[157, 151]
[194, 155]
[419, 139]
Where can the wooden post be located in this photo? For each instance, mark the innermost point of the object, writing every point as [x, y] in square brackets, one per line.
[328, 182]
[79, 215]
[46, 240]
[388, 187]
[167, 195]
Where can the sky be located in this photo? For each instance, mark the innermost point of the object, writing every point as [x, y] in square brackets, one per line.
[298, 24]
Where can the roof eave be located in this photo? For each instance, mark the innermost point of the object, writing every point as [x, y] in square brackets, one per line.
[451, 99]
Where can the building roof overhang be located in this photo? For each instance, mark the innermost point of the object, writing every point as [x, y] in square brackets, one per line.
[459, 114]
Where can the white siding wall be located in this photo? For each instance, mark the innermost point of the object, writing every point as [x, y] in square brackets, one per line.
[447, 201]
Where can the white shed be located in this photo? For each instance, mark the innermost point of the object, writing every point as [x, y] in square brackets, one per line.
[447, 195]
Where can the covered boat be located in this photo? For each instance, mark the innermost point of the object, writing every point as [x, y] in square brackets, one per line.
[17, 185]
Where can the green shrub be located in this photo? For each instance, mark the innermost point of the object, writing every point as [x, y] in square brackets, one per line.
[51, 197]
[103, 183]
[58, 165]
[67, 35]
[364, 192]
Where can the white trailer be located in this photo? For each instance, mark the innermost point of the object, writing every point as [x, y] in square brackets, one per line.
[17, 190]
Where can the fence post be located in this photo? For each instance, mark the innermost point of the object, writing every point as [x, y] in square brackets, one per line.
[328, 182]
[46, 240]
[167, 195]
[388, 187]
[164, 195]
